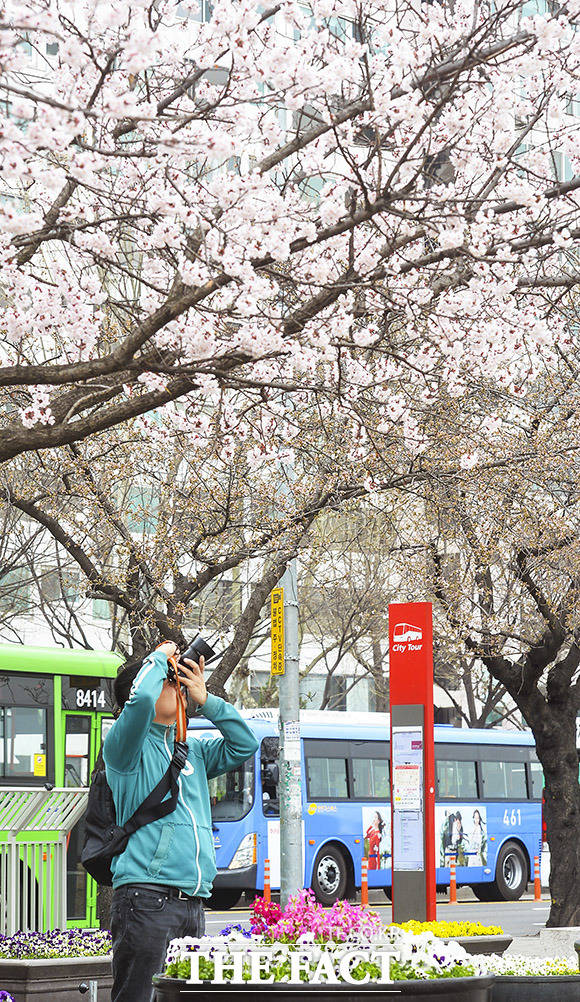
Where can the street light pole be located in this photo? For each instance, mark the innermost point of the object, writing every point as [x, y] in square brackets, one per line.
[290, 792]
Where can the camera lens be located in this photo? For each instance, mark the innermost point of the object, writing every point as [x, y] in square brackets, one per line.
[198, 648]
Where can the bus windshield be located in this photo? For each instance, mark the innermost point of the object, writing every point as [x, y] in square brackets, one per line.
[232, 795]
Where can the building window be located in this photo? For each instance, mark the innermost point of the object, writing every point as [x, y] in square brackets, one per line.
[216, 608]
[142, 509]
[15, 591]
[101, 608]
[314, 687]
[61, 586]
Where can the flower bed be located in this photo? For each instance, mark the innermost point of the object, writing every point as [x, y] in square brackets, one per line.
[450, 930]
[345, 948]
[421, 957]
[56, 944]
[304, 914]
[449, 990]
[533, 979]
[472, 936]
[54, 964]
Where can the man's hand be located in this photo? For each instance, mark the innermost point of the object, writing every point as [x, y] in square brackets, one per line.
[192, 679]
[170, 649]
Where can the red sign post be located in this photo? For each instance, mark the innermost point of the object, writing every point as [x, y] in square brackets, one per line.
[412, 761]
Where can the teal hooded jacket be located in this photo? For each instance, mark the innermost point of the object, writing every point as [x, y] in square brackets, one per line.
[177, 850]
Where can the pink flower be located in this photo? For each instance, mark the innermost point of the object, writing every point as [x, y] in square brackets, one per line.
[304, 914]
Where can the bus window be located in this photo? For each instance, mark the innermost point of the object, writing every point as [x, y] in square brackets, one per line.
[106, 724]
[77, 750]
[232, 794]
[456, 780]
[537, 781]
[25, 690]
[504, 780]
[326, 778]
[270, 774]
[370, 778]
[22, 742]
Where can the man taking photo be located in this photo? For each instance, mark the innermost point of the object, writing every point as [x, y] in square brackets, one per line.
[168, 866]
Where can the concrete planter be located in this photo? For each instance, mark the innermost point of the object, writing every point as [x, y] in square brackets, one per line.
[57, 980]
[558, 988]
[483, 944]
[438, 990]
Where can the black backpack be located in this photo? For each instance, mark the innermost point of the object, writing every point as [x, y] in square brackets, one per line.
[104, 838]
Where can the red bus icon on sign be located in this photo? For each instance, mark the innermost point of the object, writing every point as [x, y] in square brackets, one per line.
[404, 632]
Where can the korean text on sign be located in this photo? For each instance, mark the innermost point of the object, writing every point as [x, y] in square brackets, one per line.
[277, 631]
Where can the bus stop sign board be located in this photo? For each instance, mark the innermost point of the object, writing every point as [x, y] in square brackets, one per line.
[412, 761]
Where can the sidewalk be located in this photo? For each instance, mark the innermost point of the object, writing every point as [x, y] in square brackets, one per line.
[547, 943]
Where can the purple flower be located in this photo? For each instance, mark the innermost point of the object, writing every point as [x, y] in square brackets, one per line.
[56, 943]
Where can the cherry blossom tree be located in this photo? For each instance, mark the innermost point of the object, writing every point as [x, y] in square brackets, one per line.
[172, 542]
[523, 622]
[330, 203]
[513, 599]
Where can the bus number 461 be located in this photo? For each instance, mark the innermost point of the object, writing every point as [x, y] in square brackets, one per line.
[513, 817]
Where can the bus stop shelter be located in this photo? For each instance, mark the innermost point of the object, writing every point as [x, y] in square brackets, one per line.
[34, 827]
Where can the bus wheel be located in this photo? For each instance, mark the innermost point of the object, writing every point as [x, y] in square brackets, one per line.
[484, 892]
[224, 899]
[511, 872]
[329, 875]
[388, 892]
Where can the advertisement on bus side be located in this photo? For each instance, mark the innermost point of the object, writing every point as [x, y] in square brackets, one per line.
[461, 831]
[376, 826]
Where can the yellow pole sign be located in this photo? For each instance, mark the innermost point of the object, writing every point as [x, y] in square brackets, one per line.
[277, 630]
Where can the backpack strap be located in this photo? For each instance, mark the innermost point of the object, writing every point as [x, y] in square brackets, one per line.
[155, 806]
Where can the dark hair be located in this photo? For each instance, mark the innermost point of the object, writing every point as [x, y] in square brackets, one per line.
[124, 681]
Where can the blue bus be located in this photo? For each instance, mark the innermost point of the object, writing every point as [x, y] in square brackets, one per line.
[487, 814]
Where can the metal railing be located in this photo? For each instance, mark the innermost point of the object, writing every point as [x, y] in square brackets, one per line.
[34, 825]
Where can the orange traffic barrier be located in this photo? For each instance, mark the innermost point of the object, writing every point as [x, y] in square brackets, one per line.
[267, 880]
[452, 882]
[537, 881]
[364, 882]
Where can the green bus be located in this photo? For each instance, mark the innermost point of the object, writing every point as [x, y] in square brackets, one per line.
[56, 706]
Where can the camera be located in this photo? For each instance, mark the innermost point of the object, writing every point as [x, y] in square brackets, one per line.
[196, 649]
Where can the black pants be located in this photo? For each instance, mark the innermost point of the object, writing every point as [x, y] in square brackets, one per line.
[143, 922]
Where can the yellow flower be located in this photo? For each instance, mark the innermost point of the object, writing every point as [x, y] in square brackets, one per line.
[450, 930]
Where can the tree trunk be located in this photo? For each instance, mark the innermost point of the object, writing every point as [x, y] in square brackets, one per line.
[555, 734]
[104, 901]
